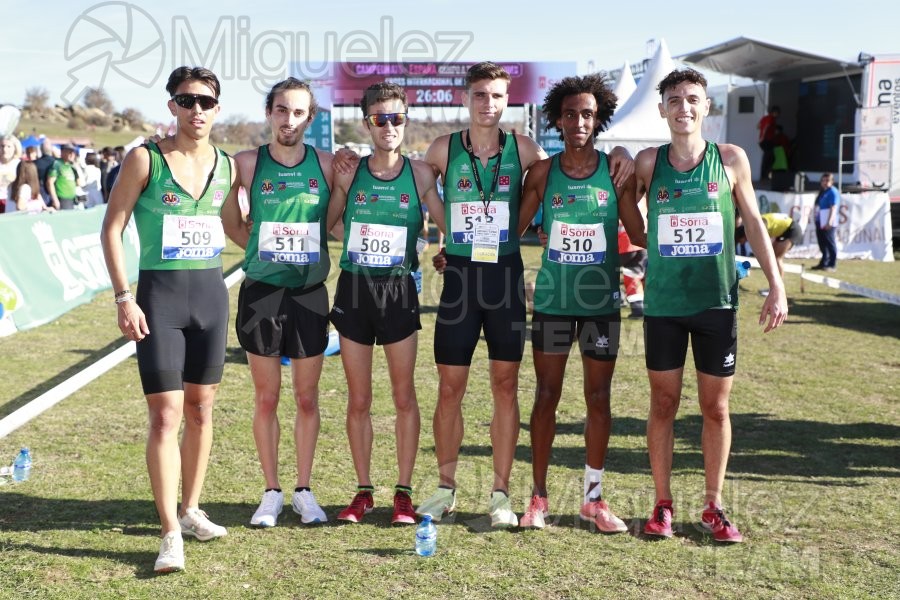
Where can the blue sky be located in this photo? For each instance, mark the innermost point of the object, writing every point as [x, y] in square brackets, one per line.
[65, 46]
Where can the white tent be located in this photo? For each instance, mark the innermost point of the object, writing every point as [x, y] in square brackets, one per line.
[625, 86]
[637, 124]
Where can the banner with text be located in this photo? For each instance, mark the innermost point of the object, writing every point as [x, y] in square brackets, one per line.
[863, 229]
[428, 83]
[51, 263]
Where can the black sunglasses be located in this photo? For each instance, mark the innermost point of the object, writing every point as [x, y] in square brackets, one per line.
[382, 119]
[189, 100]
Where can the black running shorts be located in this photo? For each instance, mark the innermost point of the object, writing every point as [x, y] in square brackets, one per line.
[277, 321]
[713, 335]
[598, 336]
[375, 310]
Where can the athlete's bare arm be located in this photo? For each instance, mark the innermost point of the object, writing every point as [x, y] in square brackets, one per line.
[533, 192]
[338, 200]
[425, 185]
[774, 308]
[529, 151]
[232, 218]
[621, 165]
[135, 172]
[629, 213]
[643, 172]
[437, 156]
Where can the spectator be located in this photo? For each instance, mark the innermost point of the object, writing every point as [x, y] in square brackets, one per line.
[114, 171]
[63, 180]
[767, 129]
[827, 203]
[10, 154]
[107, 162]
[25, 191]
[782, 229]
[43, 164]
[31, 153]
[92, 178]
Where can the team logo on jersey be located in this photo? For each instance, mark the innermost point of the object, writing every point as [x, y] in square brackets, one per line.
[313, 185]
[267, 187]
[404, 200]
[677, 193]
[218, 198]
[282, 185]
[171, 199]
[556, 201]
[360, 197]
[571, 198]
[662, 195]
[373, 198]
[712, 190]
[464, 184]
[602, 197]
[503, 183]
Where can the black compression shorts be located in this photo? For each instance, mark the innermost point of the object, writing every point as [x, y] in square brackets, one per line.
[476, 296]
[187, 313]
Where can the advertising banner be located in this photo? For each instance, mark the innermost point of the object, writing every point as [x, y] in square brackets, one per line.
[863, 229]
[881, 86]
[51, 263]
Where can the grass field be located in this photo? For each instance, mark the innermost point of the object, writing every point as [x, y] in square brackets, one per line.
[813, 483]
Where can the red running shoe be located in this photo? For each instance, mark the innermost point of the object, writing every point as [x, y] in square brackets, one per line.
[714, 520]
[660, 522]
[362, 504]
[403, 509]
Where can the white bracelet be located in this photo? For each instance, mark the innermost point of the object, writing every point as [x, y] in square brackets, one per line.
[124, 299]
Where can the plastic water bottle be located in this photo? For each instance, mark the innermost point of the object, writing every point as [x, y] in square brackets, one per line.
[426, 537]
[743, 267]
[417, 277]
[22, 465]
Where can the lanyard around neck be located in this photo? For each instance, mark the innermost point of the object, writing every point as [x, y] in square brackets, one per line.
[476, 167]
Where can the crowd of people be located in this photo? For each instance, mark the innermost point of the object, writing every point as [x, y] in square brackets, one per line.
[182, 193]
[50, 177]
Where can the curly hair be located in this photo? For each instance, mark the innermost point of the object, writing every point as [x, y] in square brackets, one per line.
[679, 76]
[597, 84]
[292, 83]
[382, 92]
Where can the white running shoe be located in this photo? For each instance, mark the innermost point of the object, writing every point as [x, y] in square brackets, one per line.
[305, 505]
[171, 553]
[502, 514]
[269, 508]
[196, 523]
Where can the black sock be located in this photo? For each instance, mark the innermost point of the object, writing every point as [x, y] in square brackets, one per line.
[302, 489]
[365, 488]
[273, 489]
[403, 488]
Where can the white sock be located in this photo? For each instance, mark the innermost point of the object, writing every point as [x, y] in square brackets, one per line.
[592, 476]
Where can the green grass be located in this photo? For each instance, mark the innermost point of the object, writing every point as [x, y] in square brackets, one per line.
[813, 478]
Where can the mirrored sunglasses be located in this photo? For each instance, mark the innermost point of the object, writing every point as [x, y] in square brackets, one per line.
[382, 119]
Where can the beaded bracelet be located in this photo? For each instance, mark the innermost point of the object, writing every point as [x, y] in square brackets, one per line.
[122, 293]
